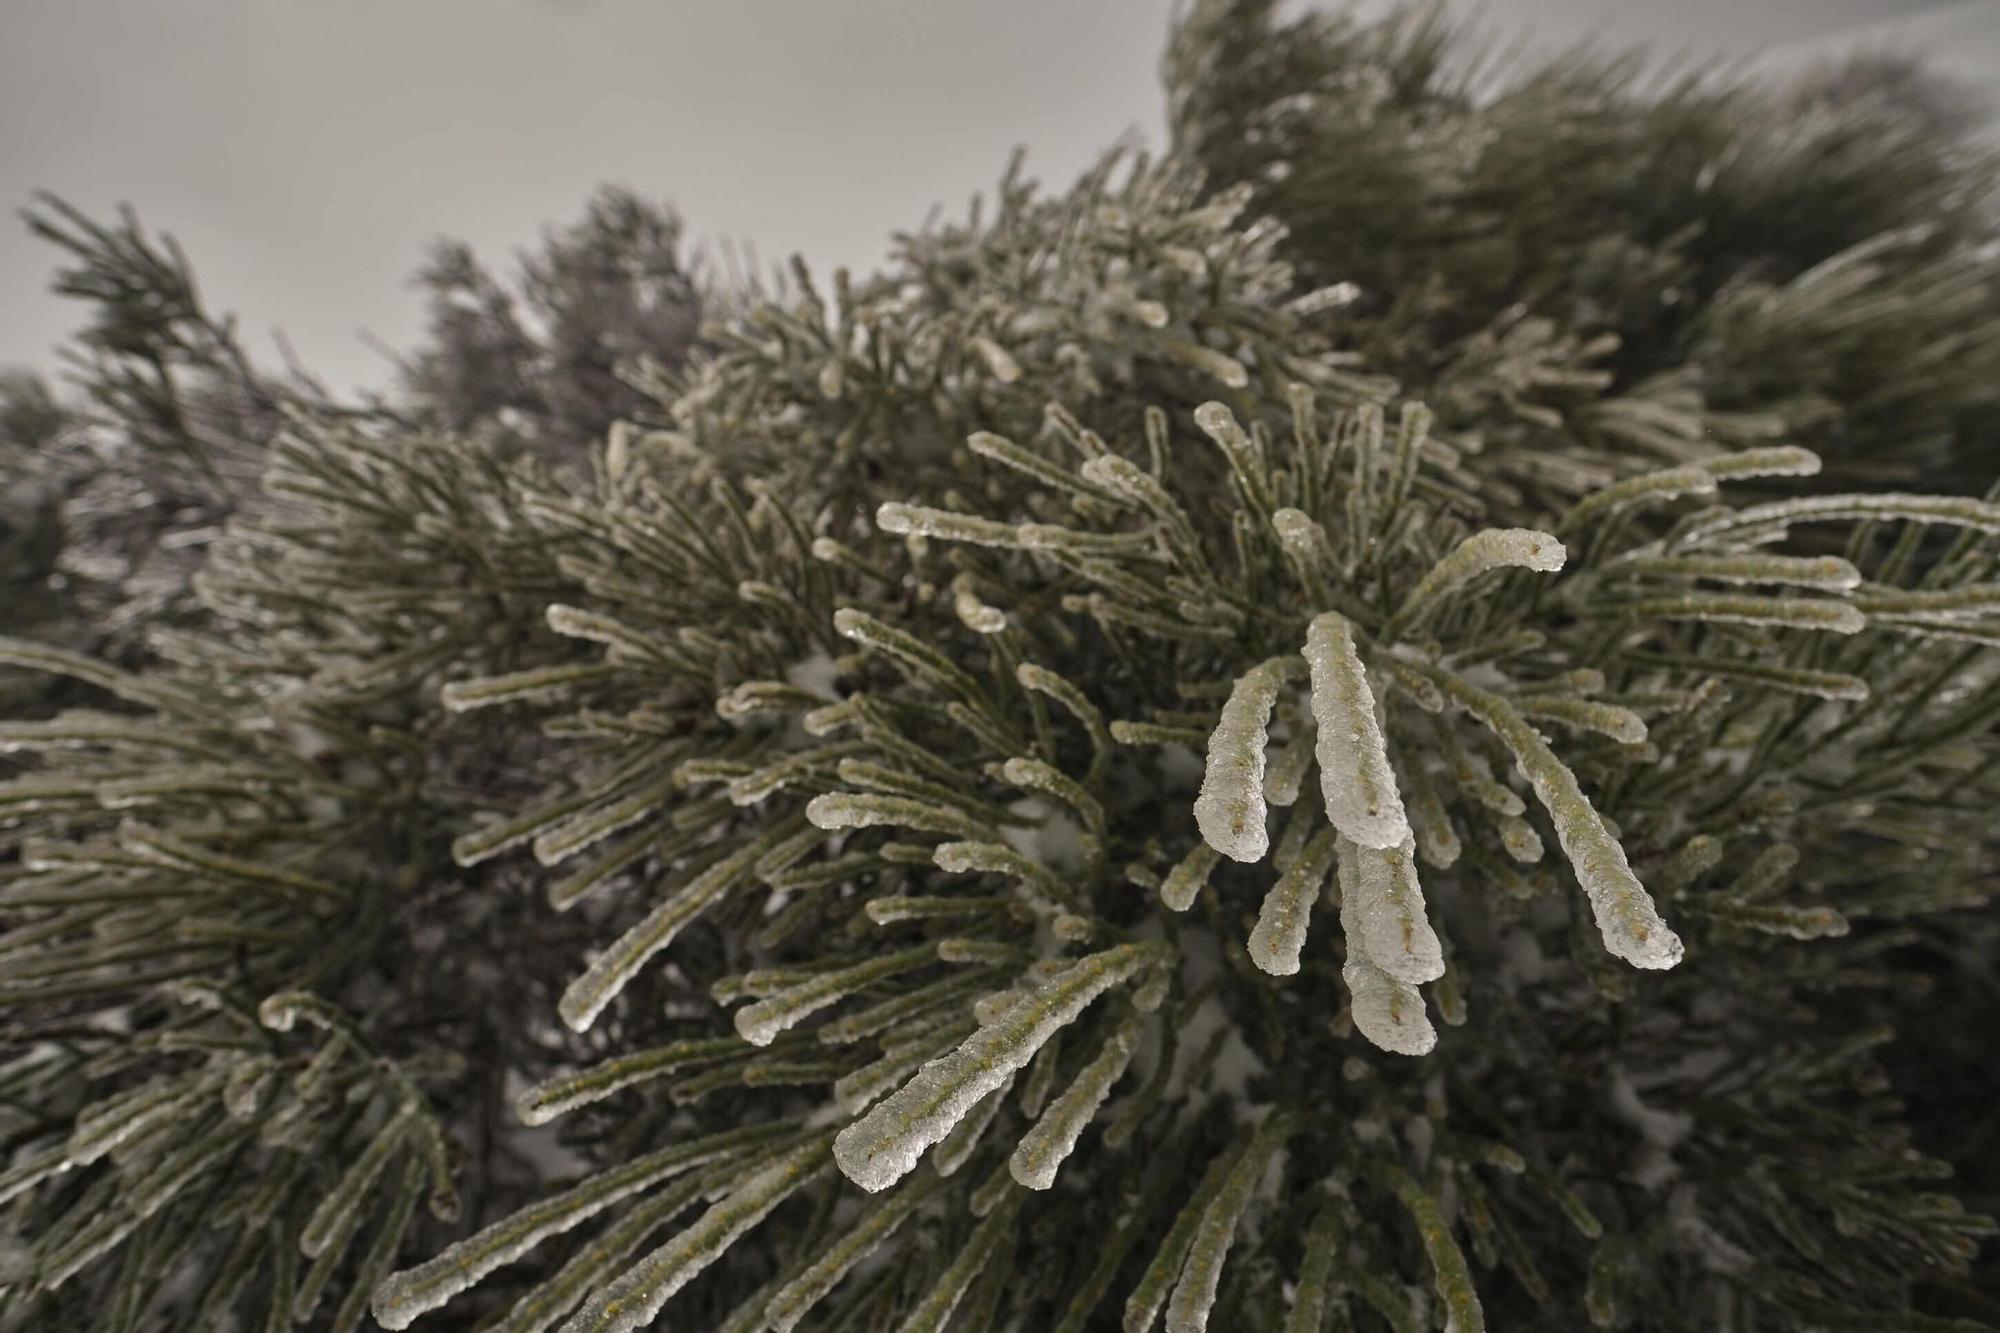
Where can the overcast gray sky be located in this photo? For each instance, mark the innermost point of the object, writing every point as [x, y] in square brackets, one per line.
[305, 151]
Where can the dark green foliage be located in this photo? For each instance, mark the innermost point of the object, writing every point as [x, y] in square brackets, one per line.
[606, 292]
[838, 801]
[1812, 254]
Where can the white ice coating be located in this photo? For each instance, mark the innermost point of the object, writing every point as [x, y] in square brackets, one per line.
[1230, 809]
[1049, 1142]
[1387, 1011]
[1381, 899]
[880, 1148]
[1280, 933]
[1354, 775]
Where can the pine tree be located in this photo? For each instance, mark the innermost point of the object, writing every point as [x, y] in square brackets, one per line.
[1275, 740]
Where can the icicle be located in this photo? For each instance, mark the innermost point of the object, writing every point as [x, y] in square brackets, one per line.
[1127, 732]
[761, 1022]
[1354, 774]
[609, 972]
[639, 1294]
[576, 623]
[1626, 917]
[906, 1007]
[403, 1296]
[896, 908]
[1305, 544]
[879, 1149]
[1301, 824]
[1124, 478]
[751, 697]
[1280, 933]
[1045, 1146]
[1230, 809]
[1486, 550]
[1382, 901]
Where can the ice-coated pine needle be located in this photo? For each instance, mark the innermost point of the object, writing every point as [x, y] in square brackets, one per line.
[636, 1298]
[1280, 933]
[1053, 1136]
[1355, 779]
[880, 1148]
[1381, 899]
[1230, 810]
[1626, 917]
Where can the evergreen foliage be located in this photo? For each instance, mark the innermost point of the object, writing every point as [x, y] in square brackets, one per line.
[1378, 724]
